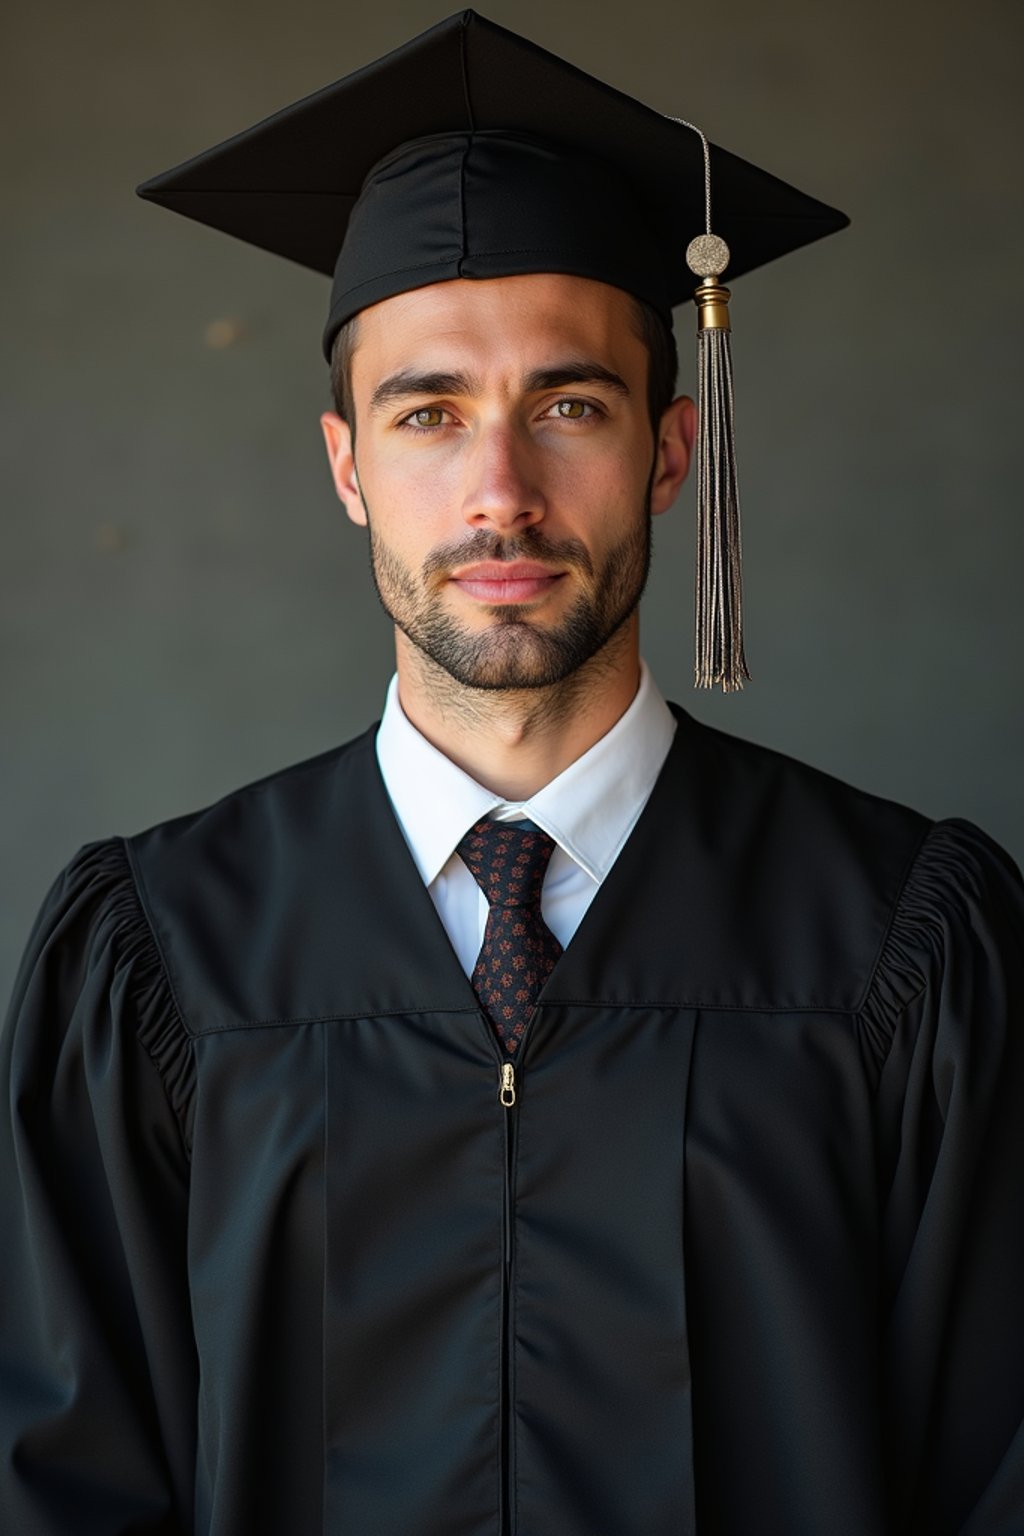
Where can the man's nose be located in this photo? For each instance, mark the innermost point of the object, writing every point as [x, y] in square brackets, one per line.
[503, 489]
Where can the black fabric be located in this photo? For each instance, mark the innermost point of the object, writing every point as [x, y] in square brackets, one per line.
[491, 204]
[470, 151]
[744, 1255]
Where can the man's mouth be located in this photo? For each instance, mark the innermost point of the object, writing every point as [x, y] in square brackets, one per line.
[505, 581]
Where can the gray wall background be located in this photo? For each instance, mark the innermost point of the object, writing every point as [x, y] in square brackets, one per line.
[183, 605]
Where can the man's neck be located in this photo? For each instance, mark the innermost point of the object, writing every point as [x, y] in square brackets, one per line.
[514, 741]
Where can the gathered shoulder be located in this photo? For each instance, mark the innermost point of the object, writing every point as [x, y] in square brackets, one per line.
[957, 926]
[92, 953]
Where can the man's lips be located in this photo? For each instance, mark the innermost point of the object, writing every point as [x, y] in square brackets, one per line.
[505, 581]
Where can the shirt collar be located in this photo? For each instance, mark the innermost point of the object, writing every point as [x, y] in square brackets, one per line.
[589, 809]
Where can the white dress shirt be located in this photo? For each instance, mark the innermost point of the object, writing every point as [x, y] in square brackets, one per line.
[589, 809]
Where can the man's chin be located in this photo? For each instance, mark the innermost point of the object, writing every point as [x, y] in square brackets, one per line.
[505, 680]
[506, 672]
[511, 656]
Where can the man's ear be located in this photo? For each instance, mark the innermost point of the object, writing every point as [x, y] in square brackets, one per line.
[676, 437]
[338, 440]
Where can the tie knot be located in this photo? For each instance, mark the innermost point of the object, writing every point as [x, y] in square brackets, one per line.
[507, 860]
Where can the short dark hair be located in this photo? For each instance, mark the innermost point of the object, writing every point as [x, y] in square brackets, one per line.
[649, 327]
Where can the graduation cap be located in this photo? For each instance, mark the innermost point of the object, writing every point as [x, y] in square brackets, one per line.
[472, 152]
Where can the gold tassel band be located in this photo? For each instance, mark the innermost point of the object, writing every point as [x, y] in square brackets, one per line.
[712, 301]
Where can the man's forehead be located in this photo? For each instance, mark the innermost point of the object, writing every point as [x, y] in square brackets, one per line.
[516, 321]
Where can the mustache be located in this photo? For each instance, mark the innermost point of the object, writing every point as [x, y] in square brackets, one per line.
[529, 545]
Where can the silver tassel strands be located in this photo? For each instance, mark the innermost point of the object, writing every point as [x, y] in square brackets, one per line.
[718, 606]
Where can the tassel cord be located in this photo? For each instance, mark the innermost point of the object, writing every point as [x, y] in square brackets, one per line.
[719, 637]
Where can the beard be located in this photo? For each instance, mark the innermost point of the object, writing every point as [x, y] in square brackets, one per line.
[514, 651]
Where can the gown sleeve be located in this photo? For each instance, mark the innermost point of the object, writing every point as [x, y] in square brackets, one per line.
[947, 999]
[98, 1378]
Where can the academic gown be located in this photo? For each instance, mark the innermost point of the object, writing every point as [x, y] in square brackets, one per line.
[740, 1253]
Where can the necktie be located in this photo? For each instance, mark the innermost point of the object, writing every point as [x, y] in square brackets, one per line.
[508, 862]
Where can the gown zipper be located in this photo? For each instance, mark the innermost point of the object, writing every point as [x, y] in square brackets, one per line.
[507, 1098]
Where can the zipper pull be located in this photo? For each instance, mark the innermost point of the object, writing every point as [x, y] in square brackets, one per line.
[508, 1085]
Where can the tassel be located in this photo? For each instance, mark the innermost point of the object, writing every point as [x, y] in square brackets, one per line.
[718, 603]
[718, 614]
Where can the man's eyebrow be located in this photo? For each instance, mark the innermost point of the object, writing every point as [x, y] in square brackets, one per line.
[583, 371]
[410, 381]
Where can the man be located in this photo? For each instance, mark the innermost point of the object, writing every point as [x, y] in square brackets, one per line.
[544, 1113]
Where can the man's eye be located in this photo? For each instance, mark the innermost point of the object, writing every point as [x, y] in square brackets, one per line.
[573, 410]
[425, 419]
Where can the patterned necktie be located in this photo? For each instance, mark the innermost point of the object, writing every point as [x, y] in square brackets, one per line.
[509, 862]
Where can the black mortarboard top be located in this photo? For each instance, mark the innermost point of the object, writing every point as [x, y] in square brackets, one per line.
[471, 152]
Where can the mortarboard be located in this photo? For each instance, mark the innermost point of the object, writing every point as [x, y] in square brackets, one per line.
[470, 151]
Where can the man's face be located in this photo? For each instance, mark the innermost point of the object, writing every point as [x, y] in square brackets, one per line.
[505, 465]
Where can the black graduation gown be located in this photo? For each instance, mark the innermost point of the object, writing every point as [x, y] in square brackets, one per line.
[745, 1255]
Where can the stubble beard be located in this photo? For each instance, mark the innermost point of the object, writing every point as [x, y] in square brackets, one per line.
[514, 652]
